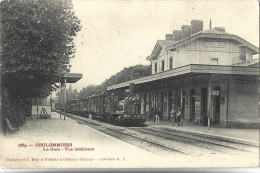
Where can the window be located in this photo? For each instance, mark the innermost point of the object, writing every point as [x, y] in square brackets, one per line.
[171, 61]
[155, 67]
[214, 61]
[162, 65]
[242, 54]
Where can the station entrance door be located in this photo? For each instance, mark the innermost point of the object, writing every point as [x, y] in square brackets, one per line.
[216, 106]
[192, 105]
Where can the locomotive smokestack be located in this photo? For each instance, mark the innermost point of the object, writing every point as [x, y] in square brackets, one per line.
[132, 88]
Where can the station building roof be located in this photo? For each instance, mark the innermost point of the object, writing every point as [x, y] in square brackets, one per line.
[209, 33]
[192, 69]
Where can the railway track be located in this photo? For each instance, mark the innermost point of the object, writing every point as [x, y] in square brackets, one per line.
[128, 137]
[168, 141]
[133, 138]
[205, 142]
[215, 140]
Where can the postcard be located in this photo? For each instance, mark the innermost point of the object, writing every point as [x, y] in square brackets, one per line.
[129, 84]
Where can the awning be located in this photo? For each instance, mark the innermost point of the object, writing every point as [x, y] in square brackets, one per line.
[192, 69]
[72, 77]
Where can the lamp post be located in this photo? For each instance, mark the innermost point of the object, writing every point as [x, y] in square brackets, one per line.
[63, 97]
[65, 92]
[67, 78]
[60, 97]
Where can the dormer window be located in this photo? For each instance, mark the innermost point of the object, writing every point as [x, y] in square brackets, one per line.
[162, 65]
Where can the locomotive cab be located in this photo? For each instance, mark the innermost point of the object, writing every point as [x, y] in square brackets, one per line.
[123, 112]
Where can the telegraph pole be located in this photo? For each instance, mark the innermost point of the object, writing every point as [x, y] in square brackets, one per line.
[60, 98]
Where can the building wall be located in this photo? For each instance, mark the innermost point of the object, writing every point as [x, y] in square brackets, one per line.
[238, 109]
[201, 51]
[243, 105]
[241, 110]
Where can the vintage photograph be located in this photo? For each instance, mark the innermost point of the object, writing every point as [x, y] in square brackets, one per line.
[129, 84]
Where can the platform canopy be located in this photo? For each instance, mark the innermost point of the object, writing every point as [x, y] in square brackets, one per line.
[194, 69]
[72, 77]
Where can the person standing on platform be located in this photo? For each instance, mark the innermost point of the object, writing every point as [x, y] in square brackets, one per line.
[173, 115]
[151, 112]
[157, 117]
[179, 116]
[154, 115]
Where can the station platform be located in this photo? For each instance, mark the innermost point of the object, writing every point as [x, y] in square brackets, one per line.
[59, 143]
[250, 136]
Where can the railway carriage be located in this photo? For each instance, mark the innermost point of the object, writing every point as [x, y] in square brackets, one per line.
[72, 106]
[83, 107]
[108, 108]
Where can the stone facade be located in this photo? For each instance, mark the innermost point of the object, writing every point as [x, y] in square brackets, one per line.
[202, 51]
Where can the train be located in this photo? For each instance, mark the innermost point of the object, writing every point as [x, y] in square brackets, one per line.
[110, 108]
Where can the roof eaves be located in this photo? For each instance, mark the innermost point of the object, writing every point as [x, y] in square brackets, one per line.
[155, 50]
[243, 41]
[184, 41]
[148, 57]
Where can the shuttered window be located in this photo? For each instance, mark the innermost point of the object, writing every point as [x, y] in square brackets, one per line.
[162, 65]
[155, 67]
[171, 61]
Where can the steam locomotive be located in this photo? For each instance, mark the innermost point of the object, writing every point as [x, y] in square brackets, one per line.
[113, 109]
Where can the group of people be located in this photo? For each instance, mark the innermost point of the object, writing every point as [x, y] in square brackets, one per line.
[175, 116]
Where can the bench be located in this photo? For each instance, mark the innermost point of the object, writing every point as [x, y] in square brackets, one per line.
[10, 127]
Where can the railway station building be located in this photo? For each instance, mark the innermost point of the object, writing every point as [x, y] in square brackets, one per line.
[206, 73]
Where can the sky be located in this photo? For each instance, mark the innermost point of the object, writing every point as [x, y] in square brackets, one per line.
[120, 33]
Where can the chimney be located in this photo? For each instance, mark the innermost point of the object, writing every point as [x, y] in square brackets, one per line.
[186, 31]
[176, 35]
[220, 29]
[196, 26]
[169, 37]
